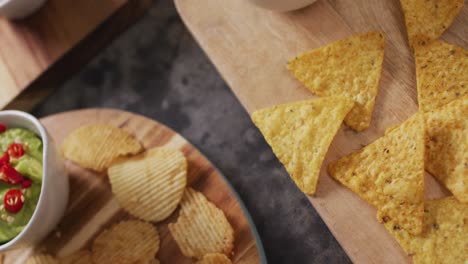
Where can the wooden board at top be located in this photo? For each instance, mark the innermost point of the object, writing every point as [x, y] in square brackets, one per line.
[251, 46]
[93, 208]
[29, 48]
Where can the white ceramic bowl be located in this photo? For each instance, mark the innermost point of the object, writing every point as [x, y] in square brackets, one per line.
[54, 191]
[17, 9]
[282, 5]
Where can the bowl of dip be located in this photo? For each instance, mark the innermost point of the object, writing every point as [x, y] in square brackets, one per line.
[33, 182]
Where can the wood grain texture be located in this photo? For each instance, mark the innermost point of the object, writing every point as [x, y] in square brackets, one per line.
[251, 46]
[32, 47]
[92, 207]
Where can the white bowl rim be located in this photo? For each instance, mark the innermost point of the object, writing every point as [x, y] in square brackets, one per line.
[45, 144]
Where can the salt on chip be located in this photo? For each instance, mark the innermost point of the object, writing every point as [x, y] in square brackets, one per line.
[389, 174]
[214, 258]
[130, 241]
[97, 146]
[441, 73]
[79, 257]
[444, 238]
[427, 19]
[201, 228]
[42, 259]
[350, 67]
[300, 134]
[150, 185]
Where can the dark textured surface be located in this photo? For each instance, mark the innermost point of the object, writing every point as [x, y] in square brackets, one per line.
[156, 69]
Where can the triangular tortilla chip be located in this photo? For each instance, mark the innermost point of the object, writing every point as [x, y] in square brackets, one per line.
[300, 134]
[350, 67]
[427, 19]
[389, 174]
[441, 73]
[447, 146]
[445, 233]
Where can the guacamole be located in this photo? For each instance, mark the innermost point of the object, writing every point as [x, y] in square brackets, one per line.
[20, 179]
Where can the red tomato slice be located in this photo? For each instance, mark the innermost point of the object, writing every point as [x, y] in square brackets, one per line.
[10, 175]
[15, 150]
[3, 128]
[26, 183]
[5, 159]
[13, 201]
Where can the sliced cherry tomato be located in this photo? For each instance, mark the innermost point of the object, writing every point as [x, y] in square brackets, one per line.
[15, 150]
[26, 183]
[3, 128]
[13, 201]
[5, 159]
[10, 175]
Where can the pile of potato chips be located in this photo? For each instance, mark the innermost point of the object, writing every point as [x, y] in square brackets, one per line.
[149, 185]
[388, 173]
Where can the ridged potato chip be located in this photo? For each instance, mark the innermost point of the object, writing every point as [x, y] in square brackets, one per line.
[389, 174]
[441, 73]
[445, 233]
[201, 228]
[42, 259]
[79, 257]
[214, 258]
[427, 19]
[350, 67]
[447, 146]
[97, 146]
[126, 242]
[300, 134]
[151, 185]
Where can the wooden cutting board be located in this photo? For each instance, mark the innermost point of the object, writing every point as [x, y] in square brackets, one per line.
[42, 45]
[92, 207]
[251, 46]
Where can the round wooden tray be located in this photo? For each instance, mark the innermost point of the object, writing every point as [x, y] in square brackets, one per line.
[92, 207]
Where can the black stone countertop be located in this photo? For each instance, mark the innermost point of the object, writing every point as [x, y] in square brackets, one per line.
[157, 69]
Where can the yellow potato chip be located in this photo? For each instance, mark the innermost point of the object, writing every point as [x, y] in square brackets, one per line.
[441, 73]
[447, 146]
[350, 67]
[150, 186]
[80, 257]
[126, 242]
[42, 259]
[445, 233]
[97, 146]
[389, 174]
[201, 228]
[300, 134]
[214, 258]
[428, 19]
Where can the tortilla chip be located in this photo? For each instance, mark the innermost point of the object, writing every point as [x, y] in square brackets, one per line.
[214, 258]
[126, 242]
[97, 146]
[42, 259]
[300, 134]
[447, 145]
[445, 233]
[427, 19]
[80, 257]
[150, 186]
[350, 67]
[389, 174]
[441, 73]
[201, 228]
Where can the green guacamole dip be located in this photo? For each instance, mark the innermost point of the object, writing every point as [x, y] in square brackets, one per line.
[29, 165]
